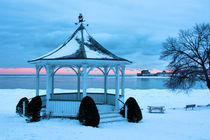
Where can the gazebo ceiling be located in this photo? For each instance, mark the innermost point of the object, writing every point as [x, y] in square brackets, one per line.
[80, 47]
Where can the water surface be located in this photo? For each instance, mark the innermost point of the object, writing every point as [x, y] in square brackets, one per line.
[70, 82]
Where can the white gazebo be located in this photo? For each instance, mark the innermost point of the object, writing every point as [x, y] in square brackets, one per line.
[82, 53]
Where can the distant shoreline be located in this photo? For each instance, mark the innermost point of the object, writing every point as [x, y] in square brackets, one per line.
[72, 75]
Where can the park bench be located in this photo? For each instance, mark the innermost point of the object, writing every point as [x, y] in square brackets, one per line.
[156, 109]
[190, 106]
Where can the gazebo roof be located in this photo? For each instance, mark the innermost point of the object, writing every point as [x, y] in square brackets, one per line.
[80, 46]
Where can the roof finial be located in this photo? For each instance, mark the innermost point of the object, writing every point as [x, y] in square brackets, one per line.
[80, 17]
[81, 20]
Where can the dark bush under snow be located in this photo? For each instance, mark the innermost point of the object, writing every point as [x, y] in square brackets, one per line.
[34, 108]
[88, 112]
[134, 113]
[19, 106]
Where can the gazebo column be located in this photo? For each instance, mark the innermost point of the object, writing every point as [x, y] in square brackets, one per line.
[105, 84]
[122, 81]
[38, 68]
[84, 81]
[117, 87]
[49, 71]
[78, 84]
[53, 83]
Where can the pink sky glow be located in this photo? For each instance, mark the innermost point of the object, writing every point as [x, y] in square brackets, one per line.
[63, 71]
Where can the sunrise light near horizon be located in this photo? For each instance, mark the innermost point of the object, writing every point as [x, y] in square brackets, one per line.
[64, 71]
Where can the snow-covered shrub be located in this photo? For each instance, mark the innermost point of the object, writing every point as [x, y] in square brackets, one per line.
[34, 108]
[133, 110]
[19, 106]
[88, 112]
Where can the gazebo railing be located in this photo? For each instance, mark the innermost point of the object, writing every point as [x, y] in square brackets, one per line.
[97, 97]
[64, 107]
[67, 104]
[66, 96]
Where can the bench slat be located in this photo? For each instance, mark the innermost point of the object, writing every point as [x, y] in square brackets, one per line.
[161, 109]
[190, 106]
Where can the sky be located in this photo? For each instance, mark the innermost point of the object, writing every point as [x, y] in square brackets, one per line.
[132, 29]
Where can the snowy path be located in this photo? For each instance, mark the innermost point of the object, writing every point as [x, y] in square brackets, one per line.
[174, 124]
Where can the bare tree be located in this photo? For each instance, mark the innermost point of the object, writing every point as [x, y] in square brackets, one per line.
[189, 56]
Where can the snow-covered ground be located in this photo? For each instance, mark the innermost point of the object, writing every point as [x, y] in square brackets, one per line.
[175, 124]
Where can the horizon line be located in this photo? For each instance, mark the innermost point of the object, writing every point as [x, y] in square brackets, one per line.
[95, 71]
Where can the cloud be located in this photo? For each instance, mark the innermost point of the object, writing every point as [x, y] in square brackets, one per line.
[133, 30]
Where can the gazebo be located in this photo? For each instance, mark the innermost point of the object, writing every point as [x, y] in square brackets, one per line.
[82, 53]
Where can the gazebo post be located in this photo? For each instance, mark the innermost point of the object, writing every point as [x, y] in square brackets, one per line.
[117, 87]
[53, 83]
[78, 83]
[122, 81]
[84, 80]
[49, 71]
[105, 84]
[38, 68]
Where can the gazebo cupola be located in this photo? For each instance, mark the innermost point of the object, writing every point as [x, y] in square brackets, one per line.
[82, 53]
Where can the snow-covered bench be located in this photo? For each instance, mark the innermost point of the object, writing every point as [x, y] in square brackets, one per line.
[190, 106]
[156, 109]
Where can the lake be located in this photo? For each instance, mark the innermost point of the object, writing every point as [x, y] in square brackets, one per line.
[70, 82]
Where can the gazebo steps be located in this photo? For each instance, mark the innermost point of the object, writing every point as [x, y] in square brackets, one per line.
[109, 112]
[113, 120]
[108, 117]
[105, 108]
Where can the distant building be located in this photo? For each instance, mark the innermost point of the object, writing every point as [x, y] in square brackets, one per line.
[161, 74]
[164, 74]
[145, 73]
